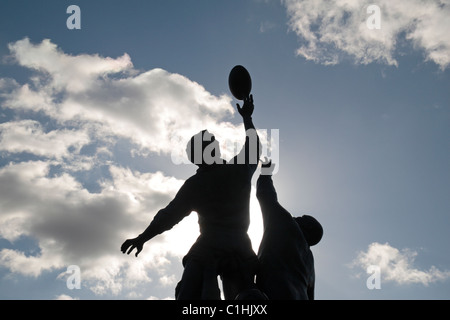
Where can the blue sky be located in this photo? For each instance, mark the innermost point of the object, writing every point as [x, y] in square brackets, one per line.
[90, 120]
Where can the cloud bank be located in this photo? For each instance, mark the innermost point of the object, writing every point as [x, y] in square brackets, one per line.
[73, 226]
[66, 119]
[110, 98]
[398, 265]
[331, 31]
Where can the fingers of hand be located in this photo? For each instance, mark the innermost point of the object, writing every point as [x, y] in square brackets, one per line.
[124, 246]
[131, 249]
[138, 250]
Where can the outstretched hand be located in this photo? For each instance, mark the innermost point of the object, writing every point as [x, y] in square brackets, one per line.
[247, 107]
[132, 244]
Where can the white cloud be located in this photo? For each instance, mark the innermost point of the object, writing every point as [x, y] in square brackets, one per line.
[398, 265]
[331, 30]
[156, 298]
[168, 280]
[65, 297]
[29, 136]
[71, 73]
[18, 262]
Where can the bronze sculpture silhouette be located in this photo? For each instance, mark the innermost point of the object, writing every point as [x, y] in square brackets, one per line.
[220, 193]
[286, 270]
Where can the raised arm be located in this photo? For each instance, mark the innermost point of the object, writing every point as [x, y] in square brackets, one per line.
[271, 209]
[265, 190]
[164, 220]
[252, 149]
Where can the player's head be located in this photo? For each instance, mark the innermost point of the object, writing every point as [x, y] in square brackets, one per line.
[311, 228]
[203, 149]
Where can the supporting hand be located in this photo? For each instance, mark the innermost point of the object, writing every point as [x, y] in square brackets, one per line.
[267, 167]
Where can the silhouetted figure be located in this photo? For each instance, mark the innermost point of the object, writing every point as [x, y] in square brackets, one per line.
[220, 193]
[286, 261]
[252, 294]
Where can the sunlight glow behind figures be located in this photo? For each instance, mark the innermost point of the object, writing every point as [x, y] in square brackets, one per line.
[256, 228]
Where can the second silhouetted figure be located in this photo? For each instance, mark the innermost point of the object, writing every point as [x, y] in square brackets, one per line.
[286, 261]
